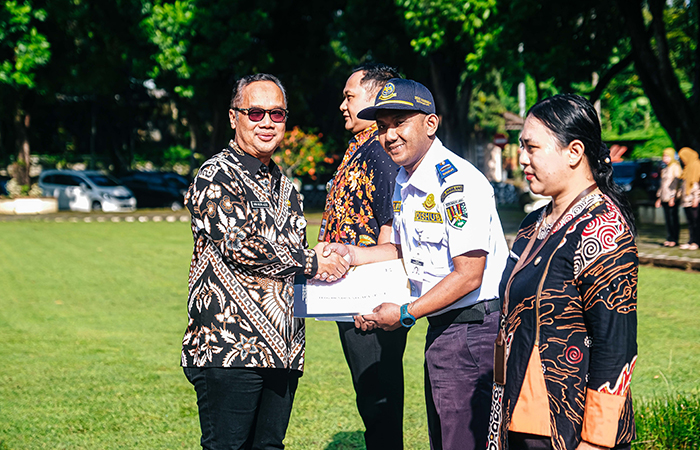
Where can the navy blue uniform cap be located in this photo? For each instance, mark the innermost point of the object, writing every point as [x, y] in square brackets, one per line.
[401, 94]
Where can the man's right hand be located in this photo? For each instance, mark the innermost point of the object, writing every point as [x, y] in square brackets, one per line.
[331, 265]
[346, 251]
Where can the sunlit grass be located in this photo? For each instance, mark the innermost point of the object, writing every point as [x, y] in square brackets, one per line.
[92, 316]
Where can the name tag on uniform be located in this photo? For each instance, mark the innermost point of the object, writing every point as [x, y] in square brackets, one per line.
[429, 217]
[415, 269]
[259, 205]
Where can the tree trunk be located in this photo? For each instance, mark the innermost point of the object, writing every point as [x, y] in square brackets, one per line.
[219, 122]
[22, 123]
[655, 70]
[452, 105]
[193, 147]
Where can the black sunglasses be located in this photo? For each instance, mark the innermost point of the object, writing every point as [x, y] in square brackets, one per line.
[277, 115]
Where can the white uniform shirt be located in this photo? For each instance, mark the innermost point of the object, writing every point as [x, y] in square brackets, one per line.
[435, 220]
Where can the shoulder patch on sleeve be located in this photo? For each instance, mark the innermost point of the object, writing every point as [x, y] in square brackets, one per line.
[444, 170]
[451, 190]
[456, 213]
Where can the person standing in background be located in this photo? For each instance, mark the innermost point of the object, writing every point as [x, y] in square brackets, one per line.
[359, 212]
[690, 197]
[667, 196]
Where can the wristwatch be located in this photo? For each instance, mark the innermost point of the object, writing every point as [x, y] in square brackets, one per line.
[407, 319]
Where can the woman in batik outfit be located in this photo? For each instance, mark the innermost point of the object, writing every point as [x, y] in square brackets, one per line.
[570, 294]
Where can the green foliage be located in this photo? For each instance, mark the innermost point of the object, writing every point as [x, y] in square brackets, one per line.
[301, 154]
[15, 189]
[198, 42]
[562, 41]
[22, 47]
[655, 140]
[438, 23]
[169, 26]
[177, 154]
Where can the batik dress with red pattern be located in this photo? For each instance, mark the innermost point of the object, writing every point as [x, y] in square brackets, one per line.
[582, 324]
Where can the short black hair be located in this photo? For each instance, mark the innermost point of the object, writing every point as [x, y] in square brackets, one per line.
[376, 76]
[249, 79]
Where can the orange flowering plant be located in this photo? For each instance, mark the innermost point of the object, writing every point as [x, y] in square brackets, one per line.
[302, 154]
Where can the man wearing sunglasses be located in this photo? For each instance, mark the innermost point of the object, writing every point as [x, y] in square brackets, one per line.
[243, 350]
[359, 212]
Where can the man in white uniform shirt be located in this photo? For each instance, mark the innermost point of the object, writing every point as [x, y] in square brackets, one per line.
[448, 232]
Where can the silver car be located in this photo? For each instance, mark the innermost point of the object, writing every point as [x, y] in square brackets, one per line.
[84, 190]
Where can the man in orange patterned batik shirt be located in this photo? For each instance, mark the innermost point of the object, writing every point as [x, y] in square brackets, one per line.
[359, 212]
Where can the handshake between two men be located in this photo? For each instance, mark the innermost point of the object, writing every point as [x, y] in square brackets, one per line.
[334, 260]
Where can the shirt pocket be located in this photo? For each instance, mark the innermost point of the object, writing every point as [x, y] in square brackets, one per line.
[433, 242]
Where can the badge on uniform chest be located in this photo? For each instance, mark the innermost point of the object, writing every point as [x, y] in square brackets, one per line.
[429, 202]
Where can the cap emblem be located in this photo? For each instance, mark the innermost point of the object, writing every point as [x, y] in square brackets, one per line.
[388, 92]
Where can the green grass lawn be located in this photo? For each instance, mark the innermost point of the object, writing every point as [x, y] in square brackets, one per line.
[92, 316]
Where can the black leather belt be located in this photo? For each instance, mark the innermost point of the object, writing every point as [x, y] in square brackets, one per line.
[474, 313]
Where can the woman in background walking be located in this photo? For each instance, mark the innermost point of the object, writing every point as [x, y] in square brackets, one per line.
[668, 194]
[691, 195]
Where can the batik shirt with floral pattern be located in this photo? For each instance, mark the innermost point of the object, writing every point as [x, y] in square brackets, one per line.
[249, 243]
[359, 201]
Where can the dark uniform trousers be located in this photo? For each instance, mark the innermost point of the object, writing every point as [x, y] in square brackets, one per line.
[375, 359]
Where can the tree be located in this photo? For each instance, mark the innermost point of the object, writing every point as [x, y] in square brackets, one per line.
[24, 49]
[657, 63]
[563, 43]
[455, 37]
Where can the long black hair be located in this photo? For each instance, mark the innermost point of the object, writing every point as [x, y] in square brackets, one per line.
[569, 117]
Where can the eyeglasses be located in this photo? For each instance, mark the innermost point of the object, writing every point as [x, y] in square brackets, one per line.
[277, 115]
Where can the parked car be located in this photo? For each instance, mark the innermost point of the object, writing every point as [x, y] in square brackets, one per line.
[3, 182]
[82, 190]
[639, 179]
[157, 189]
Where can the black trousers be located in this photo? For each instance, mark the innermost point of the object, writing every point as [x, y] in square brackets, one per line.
[375, 360]
[673, 225]
[693, 216]
[241, 408]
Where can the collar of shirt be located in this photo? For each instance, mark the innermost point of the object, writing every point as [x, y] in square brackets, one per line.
[253, 164]
[425, 176]
[363, 136]
[358, 141]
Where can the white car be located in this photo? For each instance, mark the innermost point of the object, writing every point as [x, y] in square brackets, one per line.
[83, 190]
